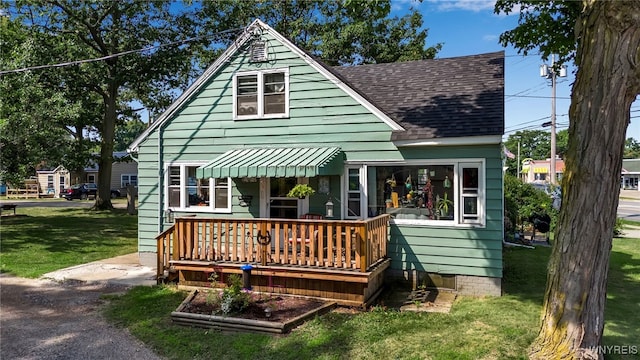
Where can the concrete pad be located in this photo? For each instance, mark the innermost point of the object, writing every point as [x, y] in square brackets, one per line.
[121, 270]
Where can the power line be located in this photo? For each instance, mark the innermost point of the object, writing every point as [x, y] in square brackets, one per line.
[102, 58]
[528, 122]
[538, 97]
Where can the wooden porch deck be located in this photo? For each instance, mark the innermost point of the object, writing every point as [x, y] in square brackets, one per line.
[339, 260]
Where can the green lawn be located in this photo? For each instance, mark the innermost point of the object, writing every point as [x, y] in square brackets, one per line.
[41, 239]
[44, 239]
[476, 328]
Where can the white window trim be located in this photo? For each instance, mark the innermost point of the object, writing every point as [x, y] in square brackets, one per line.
[457, 221]
[260, 102]
[183, 191]
[362, 177]
[481, 195]
[122, 185]
[265, 197]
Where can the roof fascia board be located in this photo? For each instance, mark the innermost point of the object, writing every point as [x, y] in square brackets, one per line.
[469, 140]
[195, 87]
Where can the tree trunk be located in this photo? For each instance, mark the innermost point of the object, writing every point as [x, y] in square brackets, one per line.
[607, 82]
[107, 133]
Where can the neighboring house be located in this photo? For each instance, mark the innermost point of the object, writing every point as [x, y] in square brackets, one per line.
[630, 174]
[53, 181]
[406, 139]
[124, 171]
[539, 170]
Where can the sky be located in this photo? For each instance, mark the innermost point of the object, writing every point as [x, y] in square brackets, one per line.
[467, 27]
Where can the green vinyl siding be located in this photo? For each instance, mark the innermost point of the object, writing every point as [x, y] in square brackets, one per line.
[455, 250]
[320, 115]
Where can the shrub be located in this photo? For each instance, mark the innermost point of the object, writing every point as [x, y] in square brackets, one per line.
[232, 298]
[522, 201]
[617, 227]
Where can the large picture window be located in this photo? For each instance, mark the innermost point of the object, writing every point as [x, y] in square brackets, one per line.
[261, 94]
[439, 193]
[186, 192]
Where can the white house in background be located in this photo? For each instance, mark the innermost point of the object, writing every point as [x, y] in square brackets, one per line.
[630, 174]
[124, 171]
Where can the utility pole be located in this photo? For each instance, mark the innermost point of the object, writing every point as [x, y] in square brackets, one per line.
[550, 72]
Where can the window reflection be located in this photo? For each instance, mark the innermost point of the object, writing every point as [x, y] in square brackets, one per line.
[424, 192]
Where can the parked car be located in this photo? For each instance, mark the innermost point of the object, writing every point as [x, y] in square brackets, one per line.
[84, 191]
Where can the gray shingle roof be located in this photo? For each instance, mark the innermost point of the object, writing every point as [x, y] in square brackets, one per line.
[631, 165]
[439, 98]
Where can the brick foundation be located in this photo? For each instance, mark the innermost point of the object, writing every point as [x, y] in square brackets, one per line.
[478, 285]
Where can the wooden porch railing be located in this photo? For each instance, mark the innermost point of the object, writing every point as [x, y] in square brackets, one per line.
[316, 243]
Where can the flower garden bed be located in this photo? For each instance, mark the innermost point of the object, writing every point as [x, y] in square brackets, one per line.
[267, 313]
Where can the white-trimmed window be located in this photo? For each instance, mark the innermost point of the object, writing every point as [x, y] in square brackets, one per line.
[261, 94]
[471, 193]
[439, 192]
[354, 194]
[186, 192]
[128, 179]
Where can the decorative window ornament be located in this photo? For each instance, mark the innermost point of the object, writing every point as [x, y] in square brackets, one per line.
[446, 182]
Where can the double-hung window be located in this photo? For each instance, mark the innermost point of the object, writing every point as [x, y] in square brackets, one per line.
[261, 94]
[470, 192]
[186, 192]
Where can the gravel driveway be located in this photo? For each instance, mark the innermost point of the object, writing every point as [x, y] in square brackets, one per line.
[42, 319]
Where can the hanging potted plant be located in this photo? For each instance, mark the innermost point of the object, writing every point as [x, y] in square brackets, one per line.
[301, 191]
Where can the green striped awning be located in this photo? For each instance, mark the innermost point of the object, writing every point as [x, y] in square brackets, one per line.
[274, 162]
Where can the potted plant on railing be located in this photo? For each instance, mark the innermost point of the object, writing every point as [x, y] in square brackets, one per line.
[301, 191]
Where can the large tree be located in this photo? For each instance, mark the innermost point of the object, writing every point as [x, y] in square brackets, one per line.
[33, 114]
[338, 32]
[113, 30]
[606, 39]
[632, 149]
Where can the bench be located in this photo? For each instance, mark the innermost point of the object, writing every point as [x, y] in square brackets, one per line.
[8, 207]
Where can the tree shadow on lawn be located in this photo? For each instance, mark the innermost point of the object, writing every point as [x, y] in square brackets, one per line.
[68, 231]
[525, 273]
[622, 312]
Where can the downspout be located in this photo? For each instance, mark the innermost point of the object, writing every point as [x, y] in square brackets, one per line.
[160, 182]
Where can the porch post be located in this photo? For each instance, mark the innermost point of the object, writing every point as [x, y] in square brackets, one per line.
[362, 231]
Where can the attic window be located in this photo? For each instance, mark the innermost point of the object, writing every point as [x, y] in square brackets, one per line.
[261, 94]
[258, 51]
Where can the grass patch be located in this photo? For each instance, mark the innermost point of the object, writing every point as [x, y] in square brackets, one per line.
[46, 239]
[476, 328]
[629, 222]
[622, 314]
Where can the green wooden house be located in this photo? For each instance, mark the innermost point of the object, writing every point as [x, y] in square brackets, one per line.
[404, 158]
